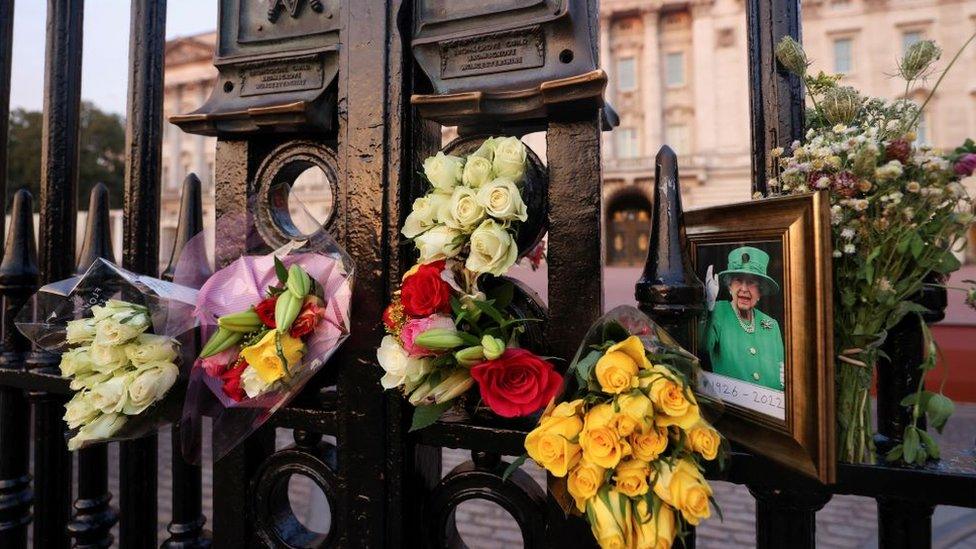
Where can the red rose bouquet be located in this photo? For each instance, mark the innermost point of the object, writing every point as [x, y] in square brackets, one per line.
[445, 332]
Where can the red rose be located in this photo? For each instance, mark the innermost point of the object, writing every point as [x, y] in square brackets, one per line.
[393, 316]
[425, 292]
[232, 381]
[517, 383]
[308, 318]
[266, 311]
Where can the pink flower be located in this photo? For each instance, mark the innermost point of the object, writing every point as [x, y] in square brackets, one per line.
[416, 326]
[965, 165]
[216, 365]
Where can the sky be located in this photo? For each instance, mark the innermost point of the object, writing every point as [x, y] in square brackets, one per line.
[105, 51]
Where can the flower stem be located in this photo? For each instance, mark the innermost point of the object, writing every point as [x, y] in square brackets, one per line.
[938, 83]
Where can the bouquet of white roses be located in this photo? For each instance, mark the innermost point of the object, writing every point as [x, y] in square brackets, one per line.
[117, 334]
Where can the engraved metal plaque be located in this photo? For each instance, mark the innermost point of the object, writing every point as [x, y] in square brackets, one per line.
[282, 77]
[493, 53]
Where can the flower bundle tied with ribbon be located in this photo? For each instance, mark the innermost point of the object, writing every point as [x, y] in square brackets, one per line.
[449, 325]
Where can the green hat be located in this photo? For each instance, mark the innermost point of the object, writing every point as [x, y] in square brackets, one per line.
[750, 261]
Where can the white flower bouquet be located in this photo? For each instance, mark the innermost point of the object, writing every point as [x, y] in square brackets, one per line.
[117, 334]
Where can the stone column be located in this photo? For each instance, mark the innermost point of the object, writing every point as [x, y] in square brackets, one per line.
[651, 78]
[200, 154]
[176, 142]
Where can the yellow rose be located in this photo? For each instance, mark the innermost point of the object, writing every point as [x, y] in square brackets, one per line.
[633, 348]
[610, 520]
[704, 439]
[648, 443]
[616, 372]
[583, 483]
[653, 531]
[682, 486]
[632, 412]
[599, 439]
[263, 355]
[552, 444]
[631, 477]
[670, 397]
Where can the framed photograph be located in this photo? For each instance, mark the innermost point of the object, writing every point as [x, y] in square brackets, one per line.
[766, 339]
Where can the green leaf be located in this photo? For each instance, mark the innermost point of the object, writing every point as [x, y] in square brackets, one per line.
[938, 409]
[903, 308]
[502, 294]
[615, 332]
[910, 444]
[280, 270]
[512, 467]
[584, 367]
[895, 453]
[425, 416]
[917, 245]
[947, 263]
[931, 446]
[489, 310]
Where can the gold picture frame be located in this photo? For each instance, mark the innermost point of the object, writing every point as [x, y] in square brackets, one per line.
[792, 236]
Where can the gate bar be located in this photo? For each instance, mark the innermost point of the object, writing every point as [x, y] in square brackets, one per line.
[143, 162]
[56, 243]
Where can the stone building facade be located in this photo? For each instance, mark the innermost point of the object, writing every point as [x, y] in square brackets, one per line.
[678, 75]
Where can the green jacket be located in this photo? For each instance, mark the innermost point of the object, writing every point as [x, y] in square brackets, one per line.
[756, 357]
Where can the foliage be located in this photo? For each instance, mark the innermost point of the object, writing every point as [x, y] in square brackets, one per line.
[101, 153]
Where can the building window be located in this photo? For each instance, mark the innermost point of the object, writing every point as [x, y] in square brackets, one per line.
[674, 65]
[676, 136]
[908, 38]
[843, 55]
[627, 143]
[626, 74]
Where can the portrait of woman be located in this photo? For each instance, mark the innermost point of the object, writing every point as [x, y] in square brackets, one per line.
[741, 340]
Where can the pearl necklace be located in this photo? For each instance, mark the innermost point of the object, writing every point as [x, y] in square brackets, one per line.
[747, 327]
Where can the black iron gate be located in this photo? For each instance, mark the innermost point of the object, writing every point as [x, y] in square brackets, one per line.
[384, 484]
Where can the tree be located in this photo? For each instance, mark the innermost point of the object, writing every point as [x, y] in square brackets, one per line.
[101, 155]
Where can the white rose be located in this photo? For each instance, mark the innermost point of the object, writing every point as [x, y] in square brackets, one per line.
[398, 365]
[100, 428]
[493, 250]
[509, 161]
[79, 410]
[118, 309]
[151, 348]
[423, 216]
[80, 331]
[76, 361]
[252, 383]
[438, 243]
[115, 331]
[111, 395]
[444, 171]
[107, 358]
[487, 149]
[502, 200]
[466, 212]
[477, 171]
[87, 381]
[150, 385]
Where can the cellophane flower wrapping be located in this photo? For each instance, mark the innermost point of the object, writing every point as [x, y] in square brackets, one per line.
[222, 386]
[119, 336]
[627, 440]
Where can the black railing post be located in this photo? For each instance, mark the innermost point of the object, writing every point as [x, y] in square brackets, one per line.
[18, 280]
[144, 130]
[186, 528]
[6, 61]
[668, 290]
[59, 189]
[904, 523]
[787, 518]
[94, 516]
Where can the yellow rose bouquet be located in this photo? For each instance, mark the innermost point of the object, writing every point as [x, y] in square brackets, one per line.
[628, 443]
[117, 334]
